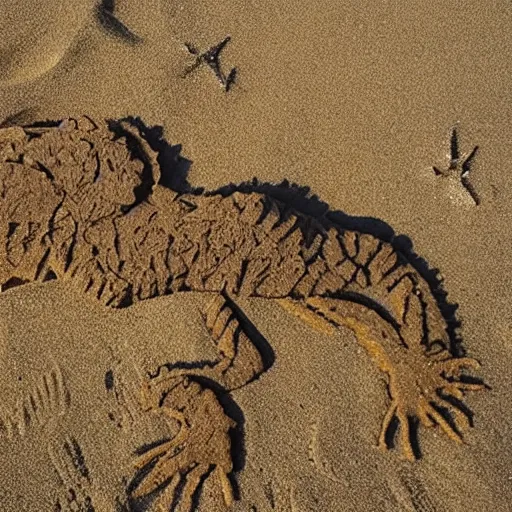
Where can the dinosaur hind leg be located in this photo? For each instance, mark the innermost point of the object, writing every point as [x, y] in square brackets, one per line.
[418, 382]
[186, 397]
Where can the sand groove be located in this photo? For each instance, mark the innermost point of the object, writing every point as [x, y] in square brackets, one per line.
[419, 495]
[69, 463]
[126, 412]
[320, 463]
[47, 399]
[112, 25]
[410, 493]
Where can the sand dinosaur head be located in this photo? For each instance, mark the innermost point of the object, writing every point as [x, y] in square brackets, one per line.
[100, 166]
[28, 201]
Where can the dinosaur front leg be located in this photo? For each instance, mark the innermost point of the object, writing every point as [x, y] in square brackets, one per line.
[239, 361]
[423, 386]
[202, 446]
[201, 449]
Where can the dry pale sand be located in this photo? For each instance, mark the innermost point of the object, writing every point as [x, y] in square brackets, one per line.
[355, 100]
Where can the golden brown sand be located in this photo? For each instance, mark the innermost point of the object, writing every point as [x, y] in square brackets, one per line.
[356, 102]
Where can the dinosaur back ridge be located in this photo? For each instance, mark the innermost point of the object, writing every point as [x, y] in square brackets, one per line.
[101, 169]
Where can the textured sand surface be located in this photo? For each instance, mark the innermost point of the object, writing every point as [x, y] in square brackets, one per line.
[357, 102]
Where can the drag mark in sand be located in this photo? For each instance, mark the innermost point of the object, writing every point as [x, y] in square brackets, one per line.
[125, 413]
[409, 492]
[323, 466]
[68, 462]
[106, 18]
[24, 116]
[77, 489]
[47, 399]
[279, 497]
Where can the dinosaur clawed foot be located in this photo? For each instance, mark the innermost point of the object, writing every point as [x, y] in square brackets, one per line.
[432, 394]
[201, 449]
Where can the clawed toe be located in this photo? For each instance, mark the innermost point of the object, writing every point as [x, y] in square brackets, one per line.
[145, 458]
[452, 366]
[182, 483]
[432, 411]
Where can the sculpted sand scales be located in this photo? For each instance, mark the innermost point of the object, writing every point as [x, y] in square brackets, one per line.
[81, 201]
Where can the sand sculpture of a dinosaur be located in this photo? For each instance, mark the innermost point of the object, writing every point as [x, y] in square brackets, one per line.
[81, 202]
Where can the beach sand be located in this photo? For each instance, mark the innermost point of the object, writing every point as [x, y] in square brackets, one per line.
[358, 102]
